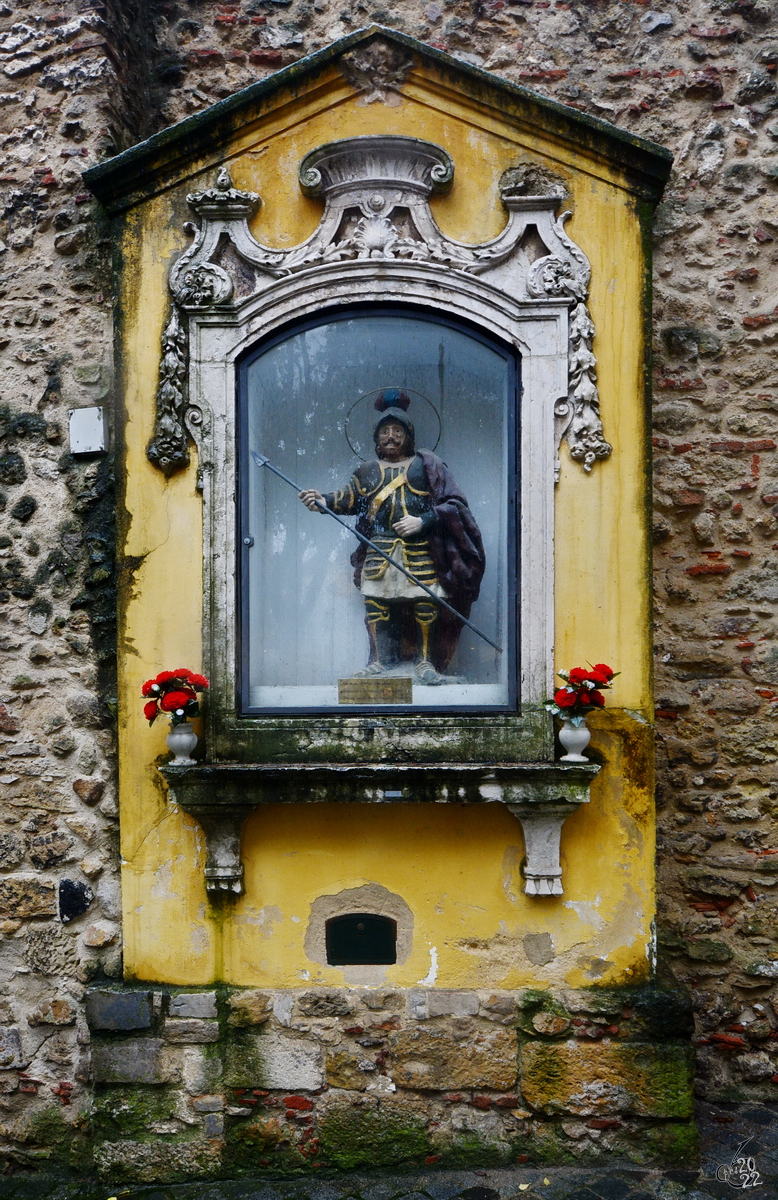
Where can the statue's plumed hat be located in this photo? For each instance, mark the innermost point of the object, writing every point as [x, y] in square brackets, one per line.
[392, 404]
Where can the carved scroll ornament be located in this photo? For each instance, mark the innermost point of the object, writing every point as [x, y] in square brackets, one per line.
[376, 191]
[579, 415]
[168, 448]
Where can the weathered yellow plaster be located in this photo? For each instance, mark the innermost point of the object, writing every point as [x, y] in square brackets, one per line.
[449, 863]
[456, 867]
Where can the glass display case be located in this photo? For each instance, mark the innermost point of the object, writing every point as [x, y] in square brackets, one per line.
[404, 424]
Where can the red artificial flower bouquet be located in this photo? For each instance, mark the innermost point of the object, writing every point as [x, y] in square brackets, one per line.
[173, 693]
[582, 692]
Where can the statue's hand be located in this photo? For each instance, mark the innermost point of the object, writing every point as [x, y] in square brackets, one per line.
[408, 526]
[310, 497]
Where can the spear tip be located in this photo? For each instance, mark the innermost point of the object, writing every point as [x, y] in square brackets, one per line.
[258, 459]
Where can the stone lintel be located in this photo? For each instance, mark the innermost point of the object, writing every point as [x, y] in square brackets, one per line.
[245, 786]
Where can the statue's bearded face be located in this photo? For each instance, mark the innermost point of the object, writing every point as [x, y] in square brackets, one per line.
[392, 443]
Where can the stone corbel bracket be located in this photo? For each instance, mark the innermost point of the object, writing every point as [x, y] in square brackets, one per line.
[222, 825]
[542, 805]
[221, 795]
[376, 191]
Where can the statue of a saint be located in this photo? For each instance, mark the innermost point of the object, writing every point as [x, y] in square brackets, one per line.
[409, 504]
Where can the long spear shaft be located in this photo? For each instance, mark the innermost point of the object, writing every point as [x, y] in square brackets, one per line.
[265, 462]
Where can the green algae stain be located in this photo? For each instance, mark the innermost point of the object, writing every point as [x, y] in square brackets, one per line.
[352, 1138]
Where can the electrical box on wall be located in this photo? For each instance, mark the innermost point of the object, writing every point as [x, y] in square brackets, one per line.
[88, 430]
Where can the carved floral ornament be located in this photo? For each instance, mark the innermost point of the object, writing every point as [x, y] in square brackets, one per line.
[378, 72]
[376, 191]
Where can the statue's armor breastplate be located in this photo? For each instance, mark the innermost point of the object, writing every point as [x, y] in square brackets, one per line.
[384, 493]
[409, 498]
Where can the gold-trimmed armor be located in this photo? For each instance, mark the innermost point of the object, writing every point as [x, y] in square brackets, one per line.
[384, 493]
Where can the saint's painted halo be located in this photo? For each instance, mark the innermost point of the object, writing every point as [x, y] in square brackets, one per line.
[362, 416]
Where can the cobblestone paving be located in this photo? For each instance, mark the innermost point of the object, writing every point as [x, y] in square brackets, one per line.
[723, 1128]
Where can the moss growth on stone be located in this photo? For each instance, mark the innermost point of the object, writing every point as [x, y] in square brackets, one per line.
[243, 1060]
[278, 739]
[659, 1013]
[168, 1161]
[631, 1078]
[548, 1146]
[708, 950]
[533, 1001]
[52, 1136]
[674, 1144]
[665, 1013]
[263, 1144]
[351, 1138]
[532, 998]
[128, 1113]
[473, 1150]
[669, 1073]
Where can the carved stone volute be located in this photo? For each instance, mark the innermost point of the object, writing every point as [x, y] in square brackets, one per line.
[397, 164]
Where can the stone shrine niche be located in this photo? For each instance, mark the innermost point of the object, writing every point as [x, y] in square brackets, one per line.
[319, 263]
[487, 350]
[380, 279]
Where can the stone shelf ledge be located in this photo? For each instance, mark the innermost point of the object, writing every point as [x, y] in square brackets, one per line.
[540, 795]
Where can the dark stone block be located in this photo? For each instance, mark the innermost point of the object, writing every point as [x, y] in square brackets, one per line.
[12, 468]
[24, 508]
[131, 1060]
[74, 899]
[612, 1188]
[119, 1011]
[11, 1055]
[667, 1013]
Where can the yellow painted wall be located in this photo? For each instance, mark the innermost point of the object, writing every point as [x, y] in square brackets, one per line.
[457, 868]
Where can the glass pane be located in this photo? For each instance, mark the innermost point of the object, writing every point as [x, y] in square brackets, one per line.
[439, 395]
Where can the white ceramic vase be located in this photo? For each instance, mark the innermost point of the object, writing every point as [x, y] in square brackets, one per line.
[574, 738]
[181, 740]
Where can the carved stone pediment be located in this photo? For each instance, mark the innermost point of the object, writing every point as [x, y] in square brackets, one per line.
[376, 192]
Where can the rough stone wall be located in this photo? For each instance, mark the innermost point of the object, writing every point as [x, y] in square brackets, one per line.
[695, 75]
[236, 1082]
[59, 876]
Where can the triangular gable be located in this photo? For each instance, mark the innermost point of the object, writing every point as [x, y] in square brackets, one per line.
[167, 157]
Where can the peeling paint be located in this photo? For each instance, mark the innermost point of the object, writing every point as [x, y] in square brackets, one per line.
[268, 917]
[199, 939]
[161, 889]
[431, 976]
[586, 910]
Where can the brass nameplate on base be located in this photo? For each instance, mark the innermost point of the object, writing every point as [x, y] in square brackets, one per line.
[392, 689]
